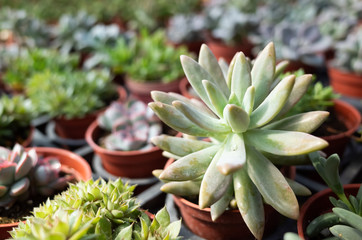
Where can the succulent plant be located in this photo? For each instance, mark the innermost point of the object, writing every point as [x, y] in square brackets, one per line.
[96, 210]
[16, 113]
[248, 135]
[346, 219]
[348, 56]
[131, 125]
[15, 167]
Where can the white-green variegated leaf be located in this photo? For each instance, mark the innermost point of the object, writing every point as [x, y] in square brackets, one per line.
[236, 118]
[272, 104]
[284, 143]
[216, 97]
[209, 62]
[248, 101]
[271, 184]
[262, 73]
[179, 146]
[224, 67]
[250, 202]
[230, 71]
[303, 122]
[185, 188]
[241, 78]
[219, 207]
[191, 166]
[279, 69]
[214, 184]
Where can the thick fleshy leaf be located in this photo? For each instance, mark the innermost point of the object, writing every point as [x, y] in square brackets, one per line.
[262, 73]
[285, 143]
[209, 62]
[248, 101]
[178, 145]
[250, 202]
[303, 122]
[219, 207]
[224, 67]
[214, 184]
[353, 219]
[217, 98]
[3, 190]
[195, 73]
[7, 173]
[19, 187]
[300, 87]
[241, 78]
[271, 184]
[287, 160]
[173, 229]
[125, 233]
[191, 166]
[204, 121]
[279, 68]
[186, 188]
[272, 104]
[176, 120]
[163, 217]
[230, 71]
[233, 153]
[346, 232]
[236, 118]
[298, 189]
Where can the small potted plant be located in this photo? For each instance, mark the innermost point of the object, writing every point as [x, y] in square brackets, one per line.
[30, 176]
[97, 210]
[121, 138]
[72, 98]
[16, 114]
[337, 209]
[345, 69]
[151, 64]
[246, 142]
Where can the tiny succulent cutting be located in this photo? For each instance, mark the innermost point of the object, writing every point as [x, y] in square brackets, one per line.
[345, 220]
[23, 174]
[132, 124]
[96, 210]
[248, 135]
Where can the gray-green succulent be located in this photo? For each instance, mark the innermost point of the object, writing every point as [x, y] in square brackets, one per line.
[241, 113]
[96, 210]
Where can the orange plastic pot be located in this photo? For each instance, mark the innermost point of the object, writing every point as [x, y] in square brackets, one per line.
[319, 204]
[131, 164]
[66, 158]
[348, 84]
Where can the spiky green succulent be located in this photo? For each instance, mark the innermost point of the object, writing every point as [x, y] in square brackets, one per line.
[242, 115]
[96, 210]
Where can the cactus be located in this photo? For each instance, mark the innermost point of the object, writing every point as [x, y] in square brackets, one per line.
[132, 124]
[242, 115]
[96, 210]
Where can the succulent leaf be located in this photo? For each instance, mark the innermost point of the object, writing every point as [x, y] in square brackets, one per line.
[185, 188]
[236, 118]
[19, 187]
[248, 101]
[216, 97]
[280, 67]
[219, 207]
[241, 78]
[298, 189]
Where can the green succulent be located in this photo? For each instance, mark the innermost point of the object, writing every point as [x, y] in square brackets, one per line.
[241, 113]
[16, 113]
[96, 210]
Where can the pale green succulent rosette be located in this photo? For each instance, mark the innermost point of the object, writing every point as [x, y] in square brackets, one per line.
[242, 115]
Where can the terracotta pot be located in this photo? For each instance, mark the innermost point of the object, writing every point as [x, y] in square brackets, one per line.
[227, 52]
[67, 158]
[186, 89]
[352, 119]
[230, 224]
[131, 164]
[319, 204]
[142, 91]
[345, 83]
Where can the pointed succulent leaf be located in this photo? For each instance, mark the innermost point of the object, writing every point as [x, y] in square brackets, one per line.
[303, 122]
[125, 233]
[233, 154]
[236, 118]
[173, 229]
[219, 207]
[271, 184]
[241, 78]
[224, 67]
[19, 187]
[202, 120]
[176, 120]
[250, 202]
[209, 62]
[262, 73]
[287, 160]
[286, 143]
[351, 218]
[214, 184]
[345, 232]
[298, 189]
[191, 166]
[217, 98]
[163, 217]
[178, 145]
[272, 104]
[299, 89]
[185, 188]
[248, 101]
[230, 71]
[280, 67]
[233, 99]
[195, 73]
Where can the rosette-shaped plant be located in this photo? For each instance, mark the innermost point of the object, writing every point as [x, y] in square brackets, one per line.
[15, 167]
[242, 115]
[132, 124]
